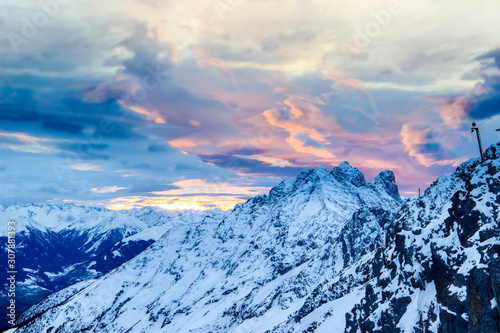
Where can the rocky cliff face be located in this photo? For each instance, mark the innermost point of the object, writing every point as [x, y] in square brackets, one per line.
[438, 271]
[327, 252]
[442, 269]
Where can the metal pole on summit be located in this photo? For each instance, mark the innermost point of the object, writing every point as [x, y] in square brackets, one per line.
[474, 128]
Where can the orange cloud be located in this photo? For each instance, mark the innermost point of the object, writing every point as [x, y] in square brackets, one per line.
[151, 114]
[454, 113]
[197, 194]
[298, 115]
[175, 203]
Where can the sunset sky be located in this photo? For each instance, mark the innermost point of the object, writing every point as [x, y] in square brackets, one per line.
[206, 103]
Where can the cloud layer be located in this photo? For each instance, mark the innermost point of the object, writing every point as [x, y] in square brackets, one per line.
[202, 104]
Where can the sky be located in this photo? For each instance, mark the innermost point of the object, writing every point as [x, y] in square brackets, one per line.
[203, 104]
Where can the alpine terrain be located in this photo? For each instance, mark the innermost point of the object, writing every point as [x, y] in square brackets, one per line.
[59, 245]
[326, 252]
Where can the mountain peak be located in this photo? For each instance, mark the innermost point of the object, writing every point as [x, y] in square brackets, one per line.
[387, 181]
[312, 174]
[321, 169]
[344, 172]
[320, 172]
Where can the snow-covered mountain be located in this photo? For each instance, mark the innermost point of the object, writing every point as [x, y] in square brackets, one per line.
[327, 252]
[440, 269]
[59, 245]
[271, 251]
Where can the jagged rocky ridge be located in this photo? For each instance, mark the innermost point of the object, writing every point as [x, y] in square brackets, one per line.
[439, 271]
[327, 252]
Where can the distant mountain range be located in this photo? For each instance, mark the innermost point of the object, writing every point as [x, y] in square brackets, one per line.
[59, 245]
[326, 252]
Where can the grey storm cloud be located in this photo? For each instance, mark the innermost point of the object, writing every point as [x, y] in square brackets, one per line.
[68, 117]
[64, 113]
[249, 165]
[486, 104]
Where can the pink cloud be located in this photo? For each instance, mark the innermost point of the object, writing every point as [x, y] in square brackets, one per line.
[431, 144]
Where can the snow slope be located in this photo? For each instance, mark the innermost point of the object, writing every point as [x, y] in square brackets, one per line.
[59, 245]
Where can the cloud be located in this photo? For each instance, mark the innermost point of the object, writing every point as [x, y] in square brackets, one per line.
[308, 141]
[432, 144]
[149, 188]
[198, 194]
[157, 94]
[107, 189]
[95, 139]
[491, 55]
[86, 167]
[62, 126]
[253, 165]
[339, 110]
[158, 148]
[480, 103]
